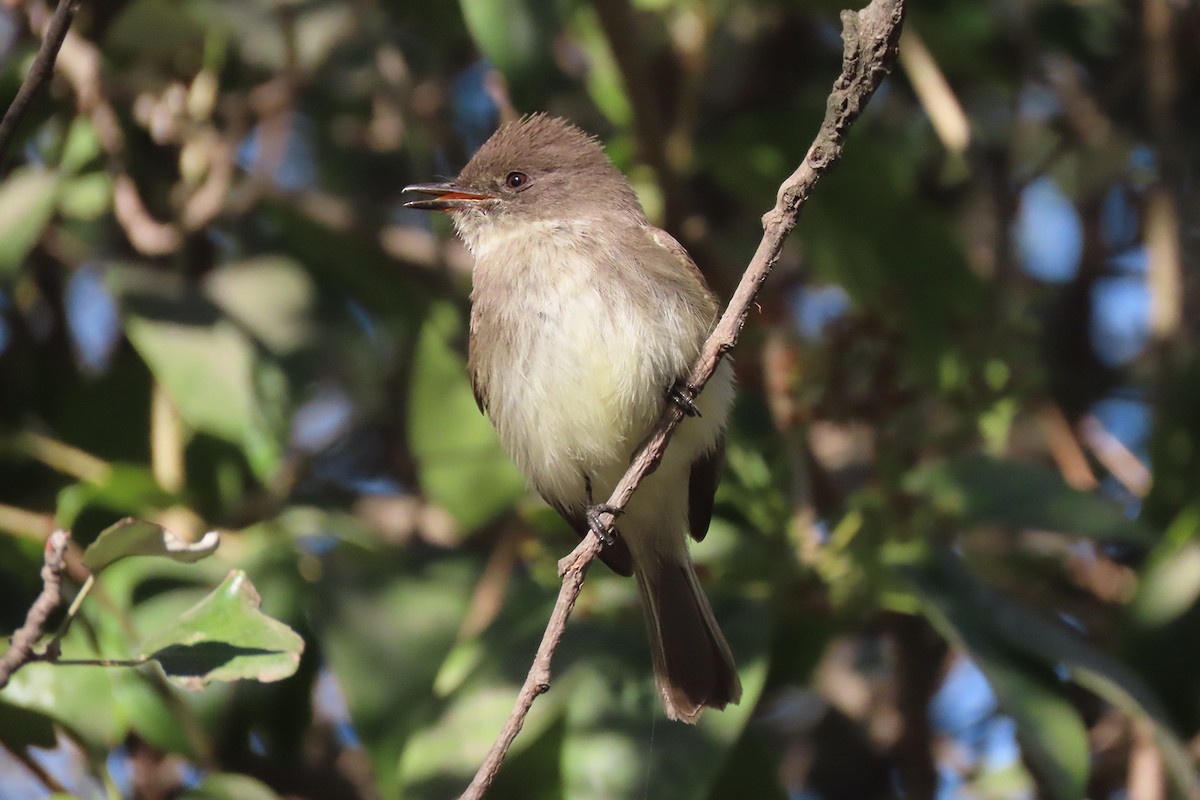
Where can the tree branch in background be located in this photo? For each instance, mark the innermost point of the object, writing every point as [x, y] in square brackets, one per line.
[20, 652]
[871, 38]
[43, 65]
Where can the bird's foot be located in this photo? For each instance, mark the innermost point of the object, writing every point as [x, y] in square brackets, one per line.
[594, 513]
[683, 394]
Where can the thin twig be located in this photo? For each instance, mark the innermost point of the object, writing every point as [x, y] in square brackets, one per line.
[871, 39]
[43, 65]
[20, 652]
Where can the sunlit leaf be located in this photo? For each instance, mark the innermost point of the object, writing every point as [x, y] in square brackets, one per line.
[1170, 580]
[603, 78]
[87, 197]
[135, 537]
[211, 370]
[82, 145]
[225, 637]
[273, 297]
[27, 199]
[517, 37]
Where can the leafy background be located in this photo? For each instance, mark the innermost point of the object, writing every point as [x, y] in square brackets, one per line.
[956, 544]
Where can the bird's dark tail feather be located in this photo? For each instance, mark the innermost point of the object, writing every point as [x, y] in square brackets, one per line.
[693, 667]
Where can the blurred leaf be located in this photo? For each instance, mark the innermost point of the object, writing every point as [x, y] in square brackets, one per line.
[401, 617]
[21, 728]
[516, 36]
[225, 637]
[87, 197]
[979, 612]
[225, 786]
[125, 488]
[209, 367]
[462, 465]
[1169, 584]
[1053, 737]
[135, 537]
[614, 709]
[81, 146]
[27, 198]
[272, 297]
[178, 32]
[603, 78]
[984, 490]
[451, 750]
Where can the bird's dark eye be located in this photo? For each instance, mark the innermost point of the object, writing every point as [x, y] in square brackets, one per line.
[516, 180]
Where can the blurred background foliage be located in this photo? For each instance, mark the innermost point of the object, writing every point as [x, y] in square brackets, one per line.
[956, 544]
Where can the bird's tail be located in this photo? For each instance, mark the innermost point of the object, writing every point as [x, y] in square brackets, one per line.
[693, 667]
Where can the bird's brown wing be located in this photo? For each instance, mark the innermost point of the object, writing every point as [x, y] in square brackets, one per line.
[702, 488]
[689, 282]
[615, 555]
[478, 387]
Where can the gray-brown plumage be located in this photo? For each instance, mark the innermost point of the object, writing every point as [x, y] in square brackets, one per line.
[582, 316]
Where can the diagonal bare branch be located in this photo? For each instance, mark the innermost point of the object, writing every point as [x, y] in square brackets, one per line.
[43, 65]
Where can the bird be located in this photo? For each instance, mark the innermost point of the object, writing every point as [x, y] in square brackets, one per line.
[585, 320]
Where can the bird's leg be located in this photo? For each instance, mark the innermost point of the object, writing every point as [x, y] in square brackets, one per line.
[595, 511]
[683, 394]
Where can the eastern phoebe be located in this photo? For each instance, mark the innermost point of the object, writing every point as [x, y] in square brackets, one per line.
[583, 319]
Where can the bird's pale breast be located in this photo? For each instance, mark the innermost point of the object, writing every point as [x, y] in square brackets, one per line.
[572, 362]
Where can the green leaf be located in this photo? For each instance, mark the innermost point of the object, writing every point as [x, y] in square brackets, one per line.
[985, 490]
[1053, 738]
[273, 297]
[614, 709]
[81, 146]
[1170, 581]
[603, 77]
[21, 728]
[77, 697]
[208, 366]
[135, 537]
[225, 637]
[443, 756]
[985, 619]
[462, 465]
[86, 197]
[516, 36]
[27, 199]
[400, 616]
[124, 488]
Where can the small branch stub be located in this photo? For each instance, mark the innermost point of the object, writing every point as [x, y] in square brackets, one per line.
[21, 651]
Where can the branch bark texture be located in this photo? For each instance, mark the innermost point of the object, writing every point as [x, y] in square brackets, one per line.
[871, 39]
[21, 652]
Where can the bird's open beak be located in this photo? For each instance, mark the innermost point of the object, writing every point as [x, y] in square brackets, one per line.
[447, 196]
